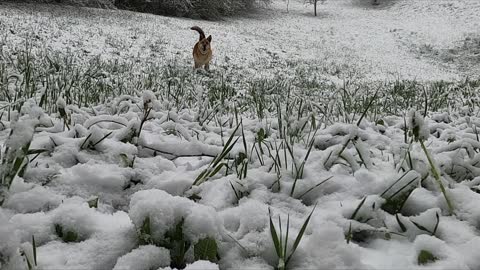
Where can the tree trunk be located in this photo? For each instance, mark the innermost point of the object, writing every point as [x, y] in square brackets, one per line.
[315, 7]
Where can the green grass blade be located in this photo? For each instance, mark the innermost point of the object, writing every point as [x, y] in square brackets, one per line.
[103, 138]
[299, 236]
[314, 187]
[273, 232]
[436, 224]
[286, 237]
[34, 246]
[402, 226]
[85, 141]
[217, 169]
[368, 106]
[358, 208]
[401, 177]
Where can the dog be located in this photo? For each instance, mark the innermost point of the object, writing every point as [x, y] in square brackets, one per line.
[202, 51]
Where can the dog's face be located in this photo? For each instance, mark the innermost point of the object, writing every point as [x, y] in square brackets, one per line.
[204, 44]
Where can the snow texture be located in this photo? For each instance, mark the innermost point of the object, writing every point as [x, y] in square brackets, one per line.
[377, 204]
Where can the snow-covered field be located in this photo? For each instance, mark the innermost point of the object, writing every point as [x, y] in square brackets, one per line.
[116, 155]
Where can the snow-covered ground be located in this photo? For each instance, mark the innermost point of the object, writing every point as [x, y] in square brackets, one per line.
[425, 40]
[130, 182]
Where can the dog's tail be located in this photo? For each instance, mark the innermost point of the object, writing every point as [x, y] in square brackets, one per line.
[200, 31]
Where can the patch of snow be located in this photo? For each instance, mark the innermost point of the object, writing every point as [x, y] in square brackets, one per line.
[144, 258]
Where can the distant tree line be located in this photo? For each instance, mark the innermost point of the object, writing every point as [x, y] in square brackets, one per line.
[82, 3]
[204, 9]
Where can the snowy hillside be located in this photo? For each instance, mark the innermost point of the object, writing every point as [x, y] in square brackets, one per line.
[344, 141]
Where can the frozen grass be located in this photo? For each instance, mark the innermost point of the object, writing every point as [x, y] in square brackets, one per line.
[163, 166]
[47, 77]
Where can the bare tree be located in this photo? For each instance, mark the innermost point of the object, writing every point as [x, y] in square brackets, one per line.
[314, 2]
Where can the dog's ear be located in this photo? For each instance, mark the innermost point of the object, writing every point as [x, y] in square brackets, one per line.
[209, 38]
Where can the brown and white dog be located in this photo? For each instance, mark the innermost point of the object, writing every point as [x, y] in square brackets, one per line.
[202, 51]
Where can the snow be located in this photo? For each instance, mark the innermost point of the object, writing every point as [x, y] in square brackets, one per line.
[166, 211]
[448, 258]
[148, 98]
[33, 200]
[61, 104]
[396, 39]
[328, 250]
[151, 175]
[9, 243]
[144, 258]
[201, 265]
[417, 125]
[98, 177]
[22, 134]
[112, 121]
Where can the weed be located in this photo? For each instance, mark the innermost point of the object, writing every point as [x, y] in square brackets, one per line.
[281, 244]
